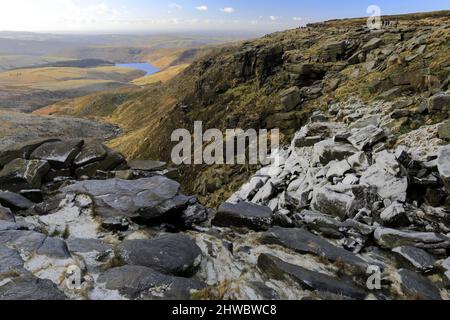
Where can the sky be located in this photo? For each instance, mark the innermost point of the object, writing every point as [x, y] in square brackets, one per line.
[178, 15]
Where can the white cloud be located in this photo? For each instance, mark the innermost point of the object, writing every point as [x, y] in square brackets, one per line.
[202, 8]
[297, 18]
[50, 15]
[228, 10]
[175, 6]
[103, 15]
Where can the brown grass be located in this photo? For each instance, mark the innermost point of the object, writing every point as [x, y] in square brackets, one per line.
[162, 76]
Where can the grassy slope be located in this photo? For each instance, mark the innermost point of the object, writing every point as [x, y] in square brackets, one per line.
[29, 89]
[54, 78]
[162, 76]
[20, 61]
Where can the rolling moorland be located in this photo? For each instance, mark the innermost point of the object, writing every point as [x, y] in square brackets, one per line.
[363, 182]
[37, 70]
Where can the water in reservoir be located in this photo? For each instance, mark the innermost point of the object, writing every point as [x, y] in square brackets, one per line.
[148, 68]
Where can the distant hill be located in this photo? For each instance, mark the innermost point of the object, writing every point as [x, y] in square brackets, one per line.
[83, 63]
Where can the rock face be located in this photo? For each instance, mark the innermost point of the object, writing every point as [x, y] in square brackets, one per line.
[366, 137]
[333, 51]
[91, 152]
[170, 254]
[244, 214]
[19, 150]
[81, 228]
[376, 203]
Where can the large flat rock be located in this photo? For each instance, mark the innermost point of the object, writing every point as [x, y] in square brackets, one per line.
[309, 280]
[14, 201]
[419, 259]
[29, 287]
[304, 242]
[444, 166]
[392, 238]
[244, 214]
[31, 243]
[138, 282]
[174, 254]
[60, 154]
[21, 174]
[148, 198]
[417, 287]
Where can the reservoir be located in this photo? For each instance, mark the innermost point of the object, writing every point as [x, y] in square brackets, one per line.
[148, 68]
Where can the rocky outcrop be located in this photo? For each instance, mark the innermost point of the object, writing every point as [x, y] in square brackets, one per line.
[304, 242]
[78, 229]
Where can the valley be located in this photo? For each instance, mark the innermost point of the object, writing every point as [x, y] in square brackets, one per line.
[38, 70]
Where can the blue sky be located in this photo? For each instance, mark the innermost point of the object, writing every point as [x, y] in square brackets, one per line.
[149, 15]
